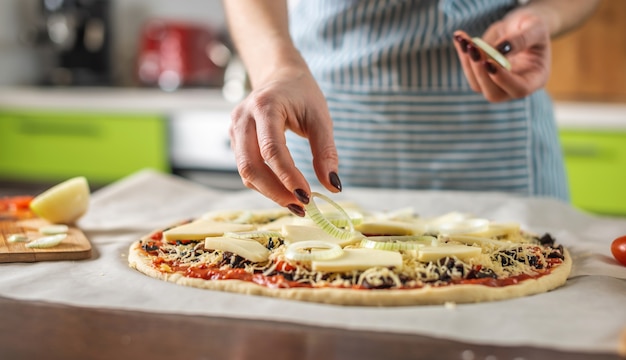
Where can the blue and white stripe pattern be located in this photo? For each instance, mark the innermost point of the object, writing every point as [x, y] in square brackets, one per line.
[404, 115]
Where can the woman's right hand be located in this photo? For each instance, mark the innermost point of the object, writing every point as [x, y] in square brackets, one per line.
[288, 99]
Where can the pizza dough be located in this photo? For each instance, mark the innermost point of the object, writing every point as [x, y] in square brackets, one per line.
[512, 264]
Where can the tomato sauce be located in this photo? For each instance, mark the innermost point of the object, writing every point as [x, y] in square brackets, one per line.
[208, 272]
[491, 282]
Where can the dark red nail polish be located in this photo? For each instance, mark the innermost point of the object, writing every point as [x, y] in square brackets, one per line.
[504, 47]
[473, 52]
[302, 196]
[334, 180]
[462, 43]
[491, 68]
[296, 210]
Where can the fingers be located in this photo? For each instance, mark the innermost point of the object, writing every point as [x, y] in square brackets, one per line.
[477, 68]
[513, 85]
[263, 160]
[325, 158]
[258, 140]
[461, 44]
[528, 34]
[493, 81]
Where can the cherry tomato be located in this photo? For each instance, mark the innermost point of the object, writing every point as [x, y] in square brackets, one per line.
[618, 248]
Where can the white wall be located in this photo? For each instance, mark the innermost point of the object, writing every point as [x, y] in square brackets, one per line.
[22, 64]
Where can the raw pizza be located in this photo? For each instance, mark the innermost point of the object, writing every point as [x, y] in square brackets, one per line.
[345, 255]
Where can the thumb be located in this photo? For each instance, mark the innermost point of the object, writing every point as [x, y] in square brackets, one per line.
[526, 34]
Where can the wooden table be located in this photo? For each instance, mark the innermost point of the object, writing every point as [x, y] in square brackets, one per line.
[38, 330]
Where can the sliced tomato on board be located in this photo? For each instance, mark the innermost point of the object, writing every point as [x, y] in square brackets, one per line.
[16, 207]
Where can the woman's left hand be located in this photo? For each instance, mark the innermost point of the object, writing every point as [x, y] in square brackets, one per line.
[524, 38]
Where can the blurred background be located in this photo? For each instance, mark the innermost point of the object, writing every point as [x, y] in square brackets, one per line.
[103, 88]
[96, 41]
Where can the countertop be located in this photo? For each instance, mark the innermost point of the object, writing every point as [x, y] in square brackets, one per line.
[101, 308]
[572, 115]
[148, 100]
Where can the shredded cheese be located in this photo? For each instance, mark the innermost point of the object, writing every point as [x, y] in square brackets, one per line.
[506, 251]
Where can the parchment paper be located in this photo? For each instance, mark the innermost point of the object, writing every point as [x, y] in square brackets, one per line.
[586, 315]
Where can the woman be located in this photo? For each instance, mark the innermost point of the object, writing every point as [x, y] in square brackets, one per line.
[397, 91]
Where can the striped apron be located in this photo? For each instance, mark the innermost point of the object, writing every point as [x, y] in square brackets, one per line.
[404, 115]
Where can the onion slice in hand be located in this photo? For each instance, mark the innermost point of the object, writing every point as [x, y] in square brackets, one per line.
[339, 220]
[324, 223]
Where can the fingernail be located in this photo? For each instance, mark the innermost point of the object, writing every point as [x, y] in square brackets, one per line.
[302, 196]
[462, 43]
[504, 47]
[473, 52]
[334, 180]
[296, 210]
[491, 68]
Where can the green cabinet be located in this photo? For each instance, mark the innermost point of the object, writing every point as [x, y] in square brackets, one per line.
[52, 146]
[596, 167]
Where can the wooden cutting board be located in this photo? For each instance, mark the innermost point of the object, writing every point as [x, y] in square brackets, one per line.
[75, 246]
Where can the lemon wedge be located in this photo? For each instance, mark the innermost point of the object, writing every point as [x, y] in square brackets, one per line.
[63, 203]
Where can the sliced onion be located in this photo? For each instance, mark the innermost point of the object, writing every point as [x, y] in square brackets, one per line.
[339, 220]
[54, 229]
[320, 220]
[469, 226]
[253, 234]
[313, 250]
[17, 238]
[46, 241]
[396, 243]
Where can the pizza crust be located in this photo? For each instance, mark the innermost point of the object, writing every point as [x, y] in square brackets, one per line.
[138, 259]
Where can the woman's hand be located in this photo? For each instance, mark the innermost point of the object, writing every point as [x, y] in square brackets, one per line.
[288, 99]
[523, 36]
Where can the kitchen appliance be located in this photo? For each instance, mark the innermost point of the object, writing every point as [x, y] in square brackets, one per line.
[199, 146]
[174, 54]
[78, 32]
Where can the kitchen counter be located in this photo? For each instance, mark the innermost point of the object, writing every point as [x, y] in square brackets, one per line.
[568, 114]
[70, 332]
[112, 99]
[101, 308]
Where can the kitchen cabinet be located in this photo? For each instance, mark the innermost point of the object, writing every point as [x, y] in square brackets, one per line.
[588, 63]
[52, 145]
[50, 133]
[596, 167]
